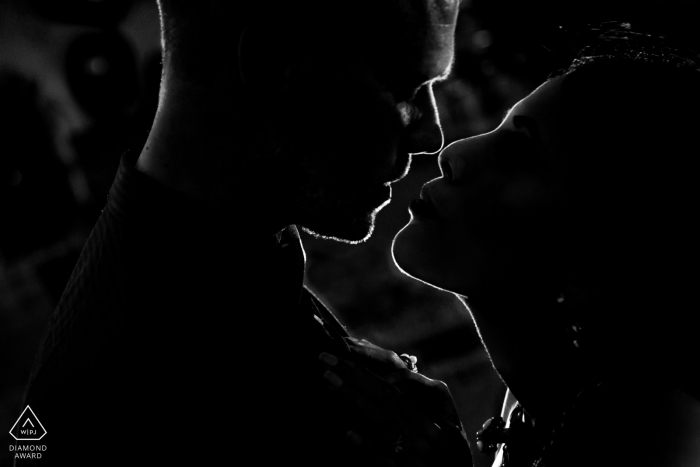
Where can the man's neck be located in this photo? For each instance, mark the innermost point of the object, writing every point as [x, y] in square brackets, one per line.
[208, 151]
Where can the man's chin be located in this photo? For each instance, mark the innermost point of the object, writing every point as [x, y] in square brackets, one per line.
[357, 230]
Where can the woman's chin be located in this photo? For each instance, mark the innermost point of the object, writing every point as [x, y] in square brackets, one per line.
[437, 259]
[415, 255]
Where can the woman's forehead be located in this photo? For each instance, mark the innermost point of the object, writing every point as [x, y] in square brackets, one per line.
[546, 98]
[544, 106]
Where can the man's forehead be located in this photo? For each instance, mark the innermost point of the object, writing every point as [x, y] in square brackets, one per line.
[435, 11]
[391, 34]
[420, 32]
[441, 24]
[431, 18]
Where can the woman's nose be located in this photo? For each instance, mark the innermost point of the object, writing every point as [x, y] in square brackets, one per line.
[424, 134]
[462, 158]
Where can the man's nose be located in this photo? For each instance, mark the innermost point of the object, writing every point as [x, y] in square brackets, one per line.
[424, 134]
[463, 158]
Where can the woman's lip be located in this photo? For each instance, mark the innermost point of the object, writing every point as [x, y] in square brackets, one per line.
[423, 207]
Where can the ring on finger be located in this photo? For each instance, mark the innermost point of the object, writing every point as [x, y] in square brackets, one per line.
[410, 361]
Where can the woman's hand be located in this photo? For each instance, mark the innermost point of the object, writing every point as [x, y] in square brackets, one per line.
[406, 419]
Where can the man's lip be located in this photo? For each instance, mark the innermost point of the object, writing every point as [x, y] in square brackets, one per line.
[381, 195]
[400, 169]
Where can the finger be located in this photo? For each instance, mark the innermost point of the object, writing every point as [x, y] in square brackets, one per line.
[402, 375]
[361, 343]
[363, 385]
[358, 378]
[433, 396]
[375, 358]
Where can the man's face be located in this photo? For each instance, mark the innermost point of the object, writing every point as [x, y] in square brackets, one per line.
[358, 107]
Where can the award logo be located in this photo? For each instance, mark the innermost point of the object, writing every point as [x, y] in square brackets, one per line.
[28, 428]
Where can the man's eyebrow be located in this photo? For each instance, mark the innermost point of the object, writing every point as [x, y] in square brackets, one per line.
[445, 73]
[414, 79]
[420, 79]
[442, 76]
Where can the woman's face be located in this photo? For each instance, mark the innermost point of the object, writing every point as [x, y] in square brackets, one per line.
[490, 220]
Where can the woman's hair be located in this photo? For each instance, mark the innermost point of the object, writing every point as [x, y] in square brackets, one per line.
[631, 124]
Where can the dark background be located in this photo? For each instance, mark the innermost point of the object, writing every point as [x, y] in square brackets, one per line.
[79, 86]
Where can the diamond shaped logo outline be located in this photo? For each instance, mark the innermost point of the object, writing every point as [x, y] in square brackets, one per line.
[22, 415]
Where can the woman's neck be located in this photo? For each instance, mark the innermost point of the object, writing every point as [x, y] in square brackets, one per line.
[526, 337]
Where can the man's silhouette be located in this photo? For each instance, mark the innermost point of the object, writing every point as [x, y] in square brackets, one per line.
[185, 334]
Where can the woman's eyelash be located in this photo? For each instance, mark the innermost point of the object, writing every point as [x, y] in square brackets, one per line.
[530, 125]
